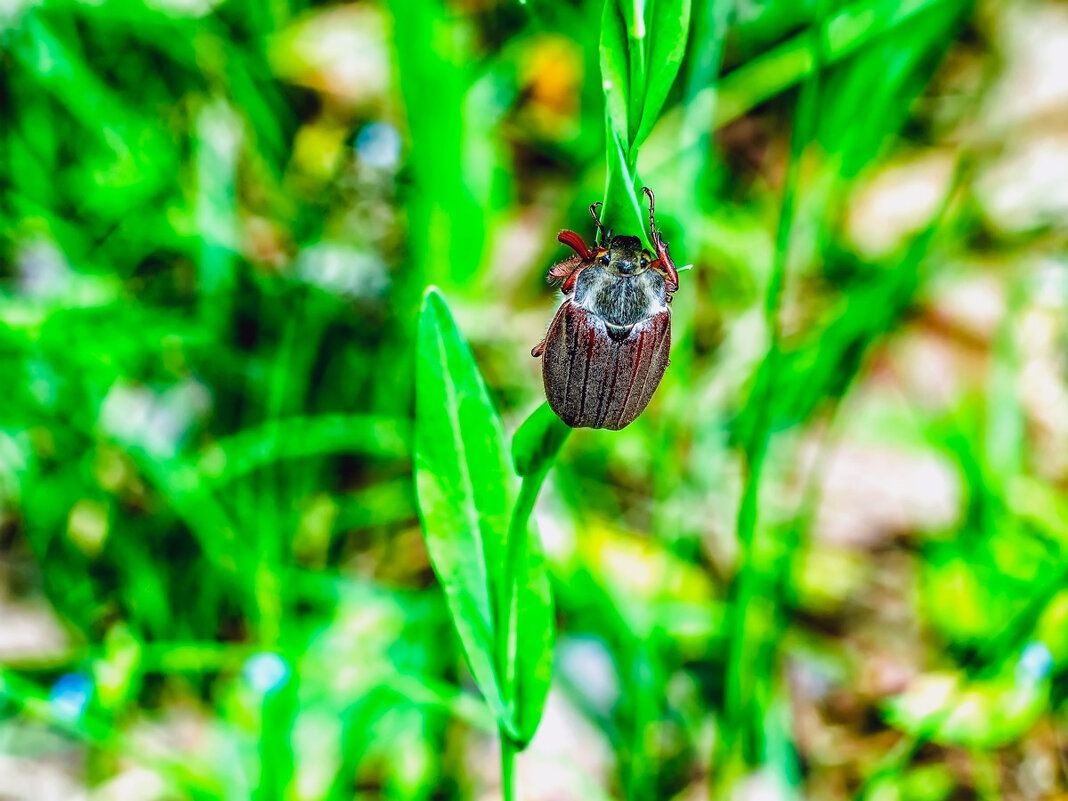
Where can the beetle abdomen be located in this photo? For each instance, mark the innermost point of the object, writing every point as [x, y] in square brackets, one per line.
[594, 381]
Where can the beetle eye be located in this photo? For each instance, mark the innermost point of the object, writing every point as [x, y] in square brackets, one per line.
[604, 258]
[645, 262]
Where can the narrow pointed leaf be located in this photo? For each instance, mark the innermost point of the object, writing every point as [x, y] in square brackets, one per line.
[481, 544]
[538, 440]
[464, 487]
[623, 210]
[669, 25]
[615, 70]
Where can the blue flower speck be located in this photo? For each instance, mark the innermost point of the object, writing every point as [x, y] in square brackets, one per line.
[1035, 663]
[70, 696]
[265, 672]
[379, 145]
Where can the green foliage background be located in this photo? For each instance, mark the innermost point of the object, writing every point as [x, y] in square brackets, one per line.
[828, 562]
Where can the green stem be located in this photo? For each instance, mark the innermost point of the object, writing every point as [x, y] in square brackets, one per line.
[508, 752]
[753, 613]
[515, 551]
[535, 446]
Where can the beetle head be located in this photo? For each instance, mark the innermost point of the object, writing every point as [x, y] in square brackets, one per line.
[625, 256]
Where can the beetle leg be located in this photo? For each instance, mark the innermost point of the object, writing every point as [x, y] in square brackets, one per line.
[570, 268]
[671, 276]
[562, 269]
[666, 267]
[566, 271]
[569, 284]
[663, 262]
[652, 204]
[602, 236]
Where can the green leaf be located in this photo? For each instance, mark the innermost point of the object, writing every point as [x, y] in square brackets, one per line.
[637, 51]
[622, 208]
[669, 28]
[538, 440]
[615, 71]
[481, 546]
[463, 483]
[642, 47]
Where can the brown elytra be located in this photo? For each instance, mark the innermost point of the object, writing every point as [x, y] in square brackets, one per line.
[595, 381]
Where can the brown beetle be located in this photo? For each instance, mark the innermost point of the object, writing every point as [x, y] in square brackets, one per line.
[607, 347]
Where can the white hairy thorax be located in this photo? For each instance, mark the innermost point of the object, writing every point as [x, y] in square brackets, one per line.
[618, 299]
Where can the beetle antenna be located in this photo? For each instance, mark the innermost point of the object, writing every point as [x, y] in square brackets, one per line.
[652, 205]
[597, 220]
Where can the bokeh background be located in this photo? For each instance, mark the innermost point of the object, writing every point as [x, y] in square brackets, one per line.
[216, 222]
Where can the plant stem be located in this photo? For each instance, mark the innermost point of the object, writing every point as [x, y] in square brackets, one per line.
[508, 752]
[515, 550]
[753, 611]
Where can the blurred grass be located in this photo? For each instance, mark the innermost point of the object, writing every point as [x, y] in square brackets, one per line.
[828, 562]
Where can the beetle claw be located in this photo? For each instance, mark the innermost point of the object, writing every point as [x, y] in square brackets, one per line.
[597, 220]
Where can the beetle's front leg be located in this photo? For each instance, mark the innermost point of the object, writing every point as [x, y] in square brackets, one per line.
[603, 236]
[666, 266]
[663, 263]
[567, 271]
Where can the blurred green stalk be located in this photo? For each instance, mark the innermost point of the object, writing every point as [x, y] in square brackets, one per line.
[753, 616]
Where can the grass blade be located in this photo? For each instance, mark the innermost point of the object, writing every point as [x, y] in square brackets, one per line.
[668, 32]
[615, 71]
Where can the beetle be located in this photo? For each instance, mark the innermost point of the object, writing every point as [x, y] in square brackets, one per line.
[606, 348]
